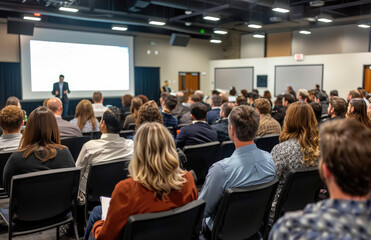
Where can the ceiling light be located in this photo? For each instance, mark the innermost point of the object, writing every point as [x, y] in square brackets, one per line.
[32, 18]
[187, 12]
[220, 31]
[254, 25]
[305, 32]
[324, 18]
[258, 35]
[119, 27]
[157, 21]
[212, 17]
[215, 41]
[281, 10]
[67, 9]
[364, 26]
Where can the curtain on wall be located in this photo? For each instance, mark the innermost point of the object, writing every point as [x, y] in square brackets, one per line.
[10, 81]
[147, 82]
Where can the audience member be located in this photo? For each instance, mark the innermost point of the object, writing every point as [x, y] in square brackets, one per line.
[221, 125]
[40, 148]
[317, 109]
[346, 172]
[303, 95]
[252, 96]
[11, 121]
[98, 106]
[291, 91]
[126, 103]
[165, 88]
[163, 98]
[153, 186]
[334, 93]
[244, 93]
[279, 111]
[364, 94]
[267, 124]
[180, 109]
[134, 107]
[267, 95]
[186, 117]
[109, 147]
[256, 91]
[287, 99]
[224, 98]
[357, 110]
[199, 131]
[66, 128]
[353, 94]
[247, 166]
[214, 113]
[13, 101]
[241, 100]
[323, 100]
[148, 112]
[84, 117]
[168, 106]
[143, 98]
[202, 95]
[298, 146]
[232, 91]
[337, 108]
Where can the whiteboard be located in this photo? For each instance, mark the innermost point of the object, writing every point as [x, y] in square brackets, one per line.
[241, 78]
[297, 76]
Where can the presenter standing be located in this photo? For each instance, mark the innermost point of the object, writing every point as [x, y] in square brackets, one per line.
[165, 88]
[60, 90]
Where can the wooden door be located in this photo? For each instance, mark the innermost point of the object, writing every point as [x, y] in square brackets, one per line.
[189, 82]
[367, 78]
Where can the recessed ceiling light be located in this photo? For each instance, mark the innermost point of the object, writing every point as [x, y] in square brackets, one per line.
[67, 9]
[212, 17]
[258, 35]
[220, 31]
[305, 32]
[188, 12]
[364, 26]
[157, 21]
[281, 10]
[32, 18]
[119, 27]
[324, 18]
[254, 25]
[215, 41]
[188, 24]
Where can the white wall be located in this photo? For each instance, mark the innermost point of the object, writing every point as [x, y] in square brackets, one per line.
[252, 47]
[341, 71]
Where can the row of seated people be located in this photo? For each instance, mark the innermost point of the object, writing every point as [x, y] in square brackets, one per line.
[303, 148]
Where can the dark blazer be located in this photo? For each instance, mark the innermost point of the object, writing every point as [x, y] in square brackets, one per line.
[65, 87]
[196, 133]
[221, 127]
[213, 115]
[164, 89]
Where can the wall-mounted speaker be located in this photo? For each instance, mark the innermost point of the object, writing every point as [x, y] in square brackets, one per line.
[20, 27]
[177, 39]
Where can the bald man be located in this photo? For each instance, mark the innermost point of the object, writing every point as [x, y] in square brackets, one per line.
[66, 128]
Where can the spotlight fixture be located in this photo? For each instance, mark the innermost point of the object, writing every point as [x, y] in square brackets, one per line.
[32, 18]
[157, 21]
[324, 18]
[364, 25]
[211, 17]
[121, 28]
[258, 35]
[68, 9]
[281, 10]
[306, 32]
[220, 31]
[214, 40]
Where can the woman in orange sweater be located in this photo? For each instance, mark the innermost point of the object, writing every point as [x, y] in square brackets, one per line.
[156, 184]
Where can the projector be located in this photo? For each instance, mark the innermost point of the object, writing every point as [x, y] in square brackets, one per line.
[316, 3]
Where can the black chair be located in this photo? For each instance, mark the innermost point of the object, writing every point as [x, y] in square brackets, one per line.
[200, 157]
[243, 212]
[74, 144]
[93, 134]
[131, 126]
[42, 200]
[3, 160]
[68, 117]
[102, 180]
[267, 143]
[226, 149]
[126, 133]
[301, 187]
[182, 223]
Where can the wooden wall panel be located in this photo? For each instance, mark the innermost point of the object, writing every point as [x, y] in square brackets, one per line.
[278, 44]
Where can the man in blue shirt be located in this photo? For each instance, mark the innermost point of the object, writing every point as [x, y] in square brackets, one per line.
[247, 166]
[345, 167]
[167, 107]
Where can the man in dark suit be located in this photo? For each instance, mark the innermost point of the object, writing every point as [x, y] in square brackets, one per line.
[60, 90]
[221, 125]
[199, 131]
[214, 113]
[166, 88]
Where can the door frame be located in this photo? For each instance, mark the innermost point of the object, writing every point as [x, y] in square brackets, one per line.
[363, 74]
[199, 79]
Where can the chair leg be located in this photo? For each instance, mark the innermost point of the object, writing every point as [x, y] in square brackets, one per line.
[75, 228]
[57, 232]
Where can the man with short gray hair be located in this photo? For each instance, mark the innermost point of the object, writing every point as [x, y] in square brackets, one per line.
[247, 166]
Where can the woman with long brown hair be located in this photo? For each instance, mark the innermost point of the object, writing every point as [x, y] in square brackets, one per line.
[357, 110]
[299, 143]
[156, 184]
[85, 118]
[40, 147]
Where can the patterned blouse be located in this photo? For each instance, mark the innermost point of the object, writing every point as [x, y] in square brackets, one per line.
[88, 127]
[286, 156]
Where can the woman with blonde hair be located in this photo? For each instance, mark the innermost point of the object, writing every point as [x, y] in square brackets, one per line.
[299, 143]
[40, 147]
[85, 118]
[156, 184]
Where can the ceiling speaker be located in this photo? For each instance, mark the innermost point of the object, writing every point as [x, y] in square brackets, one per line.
[19, 27]
[177, 39]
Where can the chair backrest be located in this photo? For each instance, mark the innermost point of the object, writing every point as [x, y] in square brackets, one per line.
[3, 160]
[182, 223]
[200, 157]
[300, 188]
[131, 126]
[75, 144]
[102, 180]
[226, 149]
[126, 133]
[42, 195]
[243, 212]
[267, 143]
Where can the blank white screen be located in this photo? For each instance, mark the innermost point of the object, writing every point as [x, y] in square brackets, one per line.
[241, 78]
[89, 61]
